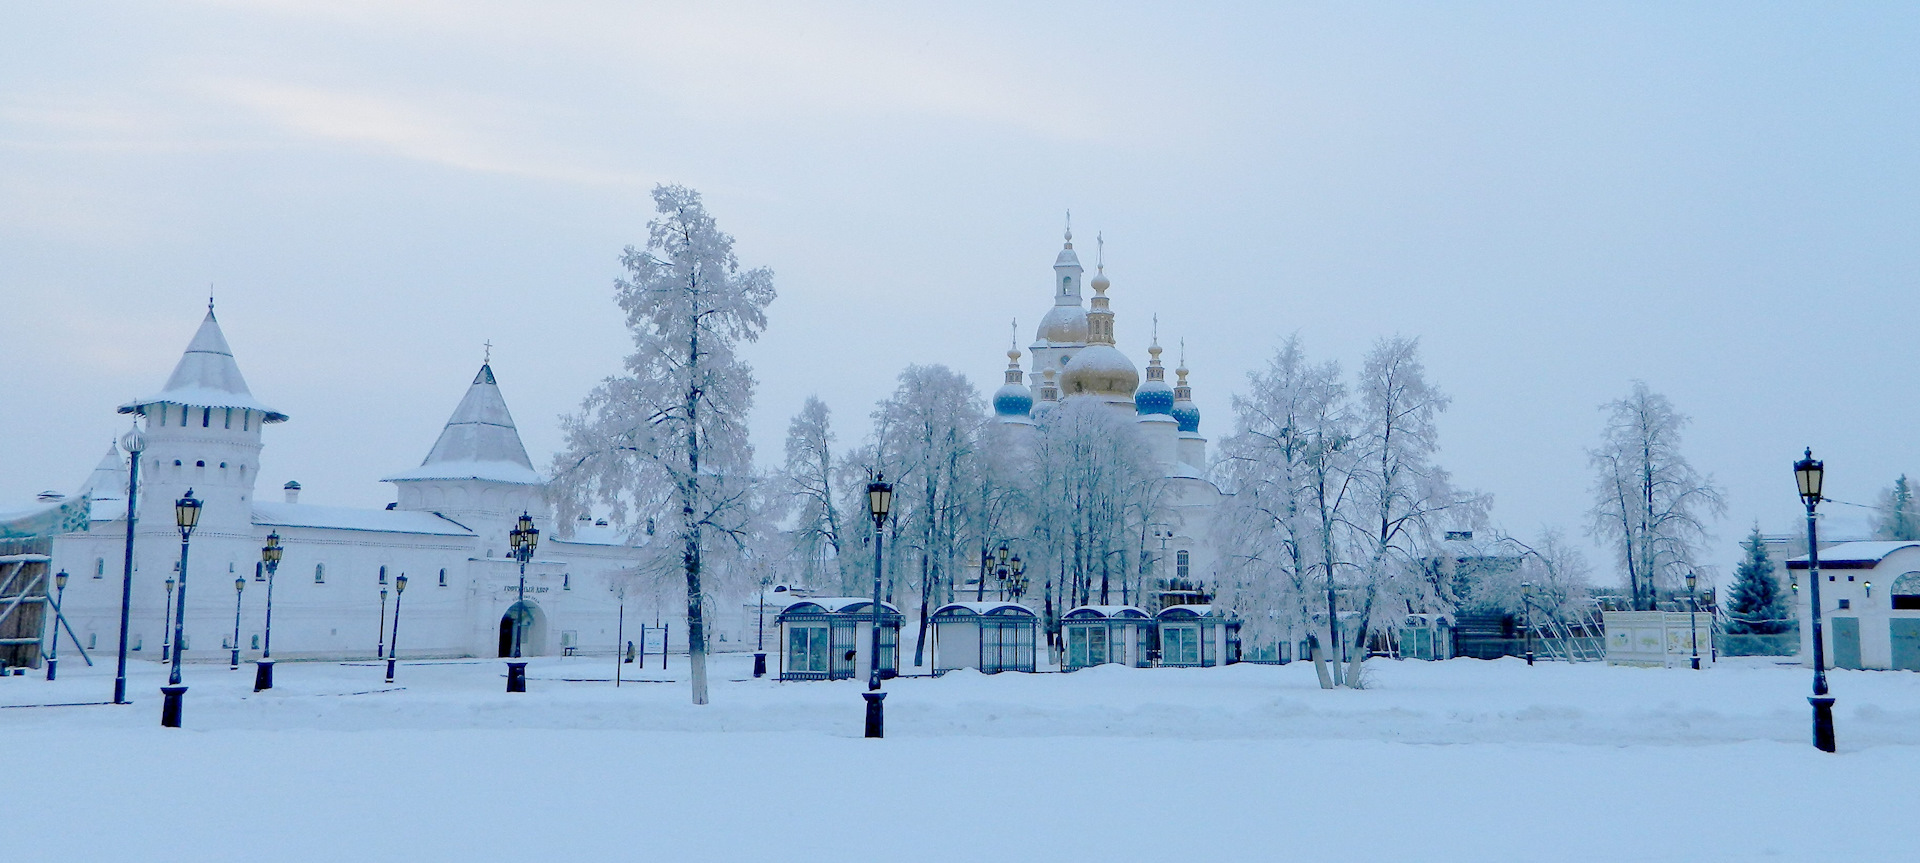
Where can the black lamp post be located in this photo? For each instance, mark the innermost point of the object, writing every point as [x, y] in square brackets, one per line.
[166, 619]
[879, 501]
[393, 650]
[760, 633]
[1017, 586]
[239, 588]
[53, 652]
[380, 646]
[186, 514]
[522, 539]
[1526, 602]
[1693, 609]
[134, 442]
[263, 667]
[1810, 474]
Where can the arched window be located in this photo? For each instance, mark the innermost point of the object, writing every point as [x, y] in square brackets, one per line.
[1066, 285]
[99, 567]
[206, 417]
[229, 419]
[383, 575]
[1182, 563]
[443, 576]
[1906, 592]
[319, 573]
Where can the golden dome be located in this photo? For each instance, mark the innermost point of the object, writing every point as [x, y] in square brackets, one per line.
[1100, 370]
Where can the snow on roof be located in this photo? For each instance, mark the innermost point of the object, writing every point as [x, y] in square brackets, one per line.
[109, 477]
[350, 518]
[1107, 610]
[206, 376]
[840, 604]
[1182, 610]
[984, 608]
[1853, 555]
[595, 534]
[478, 442]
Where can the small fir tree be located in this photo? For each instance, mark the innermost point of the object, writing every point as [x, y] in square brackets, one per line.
[1756, 605]
[1898, 519]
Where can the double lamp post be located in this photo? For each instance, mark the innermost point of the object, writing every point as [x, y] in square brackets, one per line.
[522, 540]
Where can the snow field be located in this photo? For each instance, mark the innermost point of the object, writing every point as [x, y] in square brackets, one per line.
[1442, 761]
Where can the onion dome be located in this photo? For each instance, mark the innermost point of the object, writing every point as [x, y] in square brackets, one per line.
[1100, 369]
[1064, 325]
[1154, 396]
[1013, 399]
[1185, 411]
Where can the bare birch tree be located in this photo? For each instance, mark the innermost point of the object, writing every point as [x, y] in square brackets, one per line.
[1402, 494]
[665, 443]
[809, 475]
[1648, 501]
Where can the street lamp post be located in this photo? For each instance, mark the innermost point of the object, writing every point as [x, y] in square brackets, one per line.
[1693, 609]
[1017, 586]
[380, 646]
[53, 652]
[879, 501]
[239, 589]
[393, 652]
[522, 539]
[186, 514]
[263, 667]
[134, 442]
[1526, 601]
[760, 633]
[166, 620]
[1810, 474]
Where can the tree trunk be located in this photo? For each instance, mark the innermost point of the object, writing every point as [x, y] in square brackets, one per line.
[1319, 662]
[690, 524]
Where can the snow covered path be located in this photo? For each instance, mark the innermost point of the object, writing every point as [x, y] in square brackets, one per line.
[1456, 760]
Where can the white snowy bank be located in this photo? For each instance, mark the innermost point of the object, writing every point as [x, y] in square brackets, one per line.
[1555, 762]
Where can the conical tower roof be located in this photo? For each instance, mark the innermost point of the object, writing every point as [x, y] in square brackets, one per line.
[479, 441]
[206, 377]
[109, 478]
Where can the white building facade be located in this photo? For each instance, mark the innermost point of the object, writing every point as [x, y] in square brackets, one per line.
[336, 586]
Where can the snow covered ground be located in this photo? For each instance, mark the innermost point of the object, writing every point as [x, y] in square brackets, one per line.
[1460, 760]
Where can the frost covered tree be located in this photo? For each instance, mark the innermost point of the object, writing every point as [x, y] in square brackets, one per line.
[1097, 489]
[1648, 502]
[1557, 569]
[927, 436]
[1755, 603]
[1401, 496]
[664, 443]
[1266, 529]
[810, 477]
[1899, 516]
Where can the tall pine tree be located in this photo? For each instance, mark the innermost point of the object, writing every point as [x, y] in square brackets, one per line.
[1756, 606]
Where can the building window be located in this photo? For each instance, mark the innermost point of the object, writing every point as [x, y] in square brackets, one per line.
[319, 573]
[93, 641]
[206, 418]
[443, 577]
[1066, 285]
[99, 567]
[807, 649]
[1182, 563]
[259, 571]
[1846, 603]
[383, 575]
[566, 581]
[246, 418]
[228, 422]
[183, 416]
[1180, 645]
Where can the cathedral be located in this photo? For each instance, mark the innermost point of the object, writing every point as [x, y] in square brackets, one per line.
[337, 583]
[1073, 356]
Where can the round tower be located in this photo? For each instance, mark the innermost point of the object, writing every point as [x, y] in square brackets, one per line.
[1100, 370]
[1193, 447]
[1063, 330]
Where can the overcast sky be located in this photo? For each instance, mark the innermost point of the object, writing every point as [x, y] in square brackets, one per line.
[1719, 199]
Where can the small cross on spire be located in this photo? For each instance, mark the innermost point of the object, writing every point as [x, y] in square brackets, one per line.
[487, 358]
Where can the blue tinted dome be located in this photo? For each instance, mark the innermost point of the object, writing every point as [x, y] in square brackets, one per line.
[1187, 416]
[1153, 397]
[1013, 400]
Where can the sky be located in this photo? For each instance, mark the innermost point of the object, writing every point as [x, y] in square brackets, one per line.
[1557, 199]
